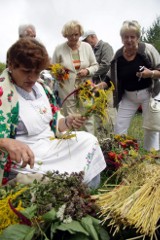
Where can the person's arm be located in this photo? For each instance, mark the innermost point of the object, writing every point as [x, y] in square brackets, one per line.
[105, 84]
[105, 59]
[90, 59]
[149, 73]
[18, 151]
[154, 57]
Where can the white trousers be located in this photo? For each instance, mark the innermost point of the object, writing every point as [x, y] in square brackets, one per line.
[127, 108]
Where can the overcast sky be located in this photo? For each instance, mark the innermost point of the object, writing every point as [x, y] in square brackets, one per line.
[49, 16]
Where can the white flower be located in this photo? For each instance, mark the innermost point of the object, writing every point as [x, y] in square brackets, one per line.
[67, 220]
[60, 212]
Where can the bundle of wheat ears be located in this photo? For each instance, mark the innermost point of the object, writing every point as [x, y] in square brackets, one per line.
[135, 202]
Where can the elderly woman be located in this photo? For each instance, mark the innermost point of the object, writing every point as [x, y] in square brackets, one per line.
[26, 109]
[78, 57]
[27, 30]
[132, 84]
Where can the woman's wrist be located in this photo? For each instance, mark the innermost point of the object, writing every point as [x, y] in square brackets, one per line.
[66, 122]
[152, 74]
[63, 124]
[87, 72]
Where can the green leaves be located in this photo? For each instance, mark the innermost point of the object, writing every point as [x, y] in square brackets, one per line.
[18, 232]
[29, 212]
[72, 227]
[2, 67]
[151, 35]
[88, 228]
[88, 224]
[50, 216]
[93, 227]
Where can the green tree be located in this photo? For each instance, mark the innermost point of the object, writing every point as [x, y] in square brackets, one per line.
[2, 66]
[152, 34]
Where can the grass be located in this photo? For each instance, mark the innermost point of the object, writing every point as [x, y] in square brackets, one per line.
[136, 129]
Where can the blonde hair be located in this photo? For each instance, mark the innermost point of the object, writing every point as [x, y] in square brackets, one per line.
[69, 27]
[131, 25]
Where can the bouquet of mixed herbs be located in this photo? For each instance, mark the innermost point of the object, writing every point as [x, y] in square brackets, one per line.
[60, 73]
[61, 208]
[93, 101]
[90, 101]
[119, 150]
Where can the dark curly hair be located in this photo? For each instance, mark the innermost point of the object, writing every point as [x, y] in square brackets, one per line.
[29, 53]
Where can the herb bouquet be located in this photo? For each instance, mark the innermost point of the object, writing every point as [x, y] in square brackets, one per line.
[60, 73]
[119, 150]
[94, 101]
[60, 208]
[91, 101]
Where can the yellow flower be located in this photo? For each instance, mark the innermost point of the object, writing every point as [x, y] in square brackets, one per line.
[93, 102]
[59, 72]
[7, 216]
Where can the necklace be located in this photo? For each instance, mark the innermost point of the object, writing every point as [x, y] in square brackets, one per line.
[74, 47]
[129, 54]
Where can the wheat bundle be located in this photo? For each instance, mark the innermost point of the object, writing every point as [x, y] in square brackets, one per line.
[109, 202]
[144, 207]
[139, 173]
[136, 203]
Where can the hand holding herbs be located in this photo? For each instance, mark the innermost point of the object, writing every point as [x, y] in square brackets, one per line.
[94, 101]
[75, 121]
[69, 124]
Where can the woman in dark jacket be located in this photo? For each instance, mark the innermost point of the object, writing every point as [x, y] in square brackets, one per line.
[132, 71]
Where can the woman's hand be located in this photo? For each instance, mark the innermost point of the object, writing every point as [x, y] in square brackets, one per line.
[83, 72]
[100, 85]
[73, 121]
[146, 73]
[18, 151]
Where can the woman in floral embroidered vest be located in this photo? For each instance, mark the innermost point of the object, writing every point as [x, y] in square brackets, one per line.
[26, 108]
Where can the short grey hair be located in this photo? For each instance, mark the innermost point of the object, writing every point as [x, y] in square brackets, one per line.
[131, 25]
[70, 26]
[22, 30]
